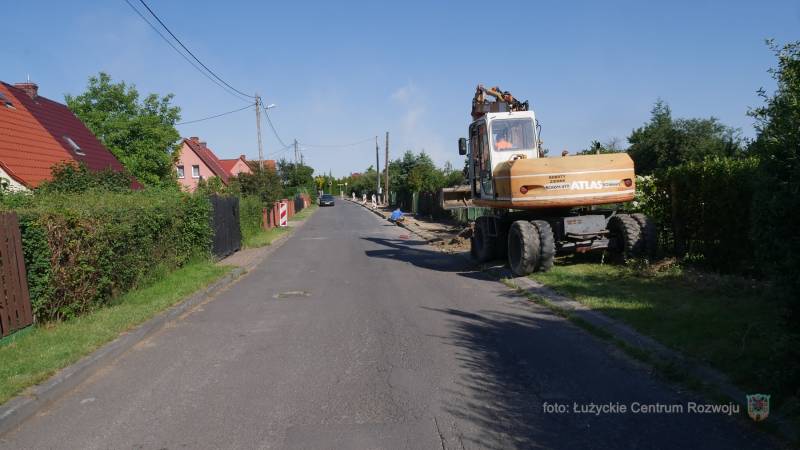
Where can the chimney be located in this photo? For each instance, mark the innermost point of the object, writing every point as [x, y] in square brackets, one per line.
[194, 139]
[242, 157]
[30, 88]
[202, 144]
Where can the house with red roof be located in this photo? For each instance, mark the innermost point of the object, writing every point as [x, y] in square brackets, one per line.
[243, 165]
[236, 166]
[37, 133]
[198, 162]
[269, 164]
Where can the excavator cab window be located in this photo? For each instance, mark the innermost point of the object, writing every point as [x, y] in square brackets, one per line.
[513, 134]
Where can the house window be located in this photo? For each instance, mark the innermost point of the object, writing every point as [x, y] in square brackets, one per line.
[75, 147]
[195, 171]
[180, 172]
[5, 101]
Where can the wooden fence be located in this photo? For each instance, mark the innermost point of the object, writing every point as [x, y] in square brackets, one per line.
[15, 302]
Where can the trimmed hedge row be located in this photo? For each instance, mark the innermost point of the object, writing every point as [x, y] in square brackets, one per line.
[82, 250]
[250, 215]
[703, 209]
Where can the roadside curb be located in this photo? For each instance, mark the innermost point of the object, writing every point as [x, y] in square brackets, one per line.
[422, 234]
[20, 408]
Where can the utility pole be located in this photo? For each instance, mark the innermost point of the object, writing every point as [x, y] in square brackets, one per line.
[295, 159]
[258, 127]
[377, 169]
[386, 168]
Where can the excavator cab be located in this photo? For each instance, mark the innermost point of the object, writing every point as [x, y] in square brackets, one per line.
[503, 131]
[497, 139]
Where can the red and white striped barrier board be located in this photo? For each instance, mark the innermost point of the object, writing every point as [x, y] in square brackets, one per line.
[284, 214]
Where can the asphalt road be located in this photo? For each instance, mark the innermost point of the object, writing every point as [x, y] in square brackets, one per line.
[355, 335]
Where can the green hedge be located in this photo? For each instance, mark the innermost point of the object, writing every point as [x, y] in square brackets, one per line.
[82, 250]
[703, 209]
[250, 215]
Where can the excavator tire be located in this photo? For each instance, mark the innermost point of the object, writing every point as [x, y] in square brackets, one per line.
[524, 248]
[482, 246]
[547, 245]
[649, 235]
[626, 235]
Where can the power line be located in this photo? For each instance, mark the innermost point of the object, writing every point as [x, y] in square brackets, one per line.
[274, 131]
[215, 116]
[190, 52]
[181, 53]
[340, 145]
[283, 150]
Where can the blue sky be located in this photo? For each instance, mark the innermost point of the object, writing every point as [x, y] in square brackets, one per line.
[344, 71]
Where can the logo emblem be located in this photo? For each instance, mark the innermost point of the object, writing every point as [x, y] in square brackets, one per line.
[758, 406]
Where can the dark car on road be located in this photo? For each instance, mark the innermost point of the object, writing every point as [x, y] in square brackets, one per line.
[326, 200]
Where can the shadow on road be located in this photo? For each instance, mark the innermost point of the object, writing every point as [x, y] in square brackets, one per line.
[500, 392]
[417, 253]
[517, 359]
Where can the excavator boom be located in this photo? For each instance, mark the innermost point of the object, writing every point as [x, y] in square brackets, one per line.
[503, 101]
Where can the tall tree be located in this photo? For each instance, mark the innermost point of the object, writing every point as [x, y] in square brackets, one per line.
[665, 142]
[139, 132]
[424, 176]
[263, 182]
[296, 177]
[776, 198]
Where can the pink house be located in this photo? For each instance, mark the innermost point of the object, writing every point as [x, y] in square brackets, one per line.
[198, 162]
[236, 166]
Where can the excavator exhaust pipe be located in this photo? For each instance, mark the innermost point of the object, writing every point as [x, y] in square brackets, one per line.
[455, 197]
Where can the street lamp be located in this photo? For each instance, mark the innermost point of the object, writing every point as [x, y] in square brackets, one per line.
[259, 105]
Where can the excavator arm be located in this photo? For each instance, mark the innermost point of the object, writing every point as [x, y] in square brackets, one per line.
[503, 101]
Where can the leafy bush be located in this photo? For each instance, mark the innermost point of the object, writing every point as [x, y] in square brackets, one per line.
[263, 183]
[69, 177]
[82, 250]
[250, 214]
[211, 186]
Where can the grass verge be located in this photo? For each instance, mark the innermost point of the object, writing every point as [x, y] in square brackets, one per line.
[725, 322]
[266, 237]
[304, 214]
[34, 354]
[263, 237]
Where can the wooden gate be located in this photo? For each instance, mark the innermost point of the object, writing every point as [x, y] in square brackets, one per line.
[15, 303]
[225, 222]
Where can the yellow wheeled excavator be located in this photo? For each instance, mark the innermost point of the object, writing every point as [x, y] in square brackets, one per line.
[542, 206]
